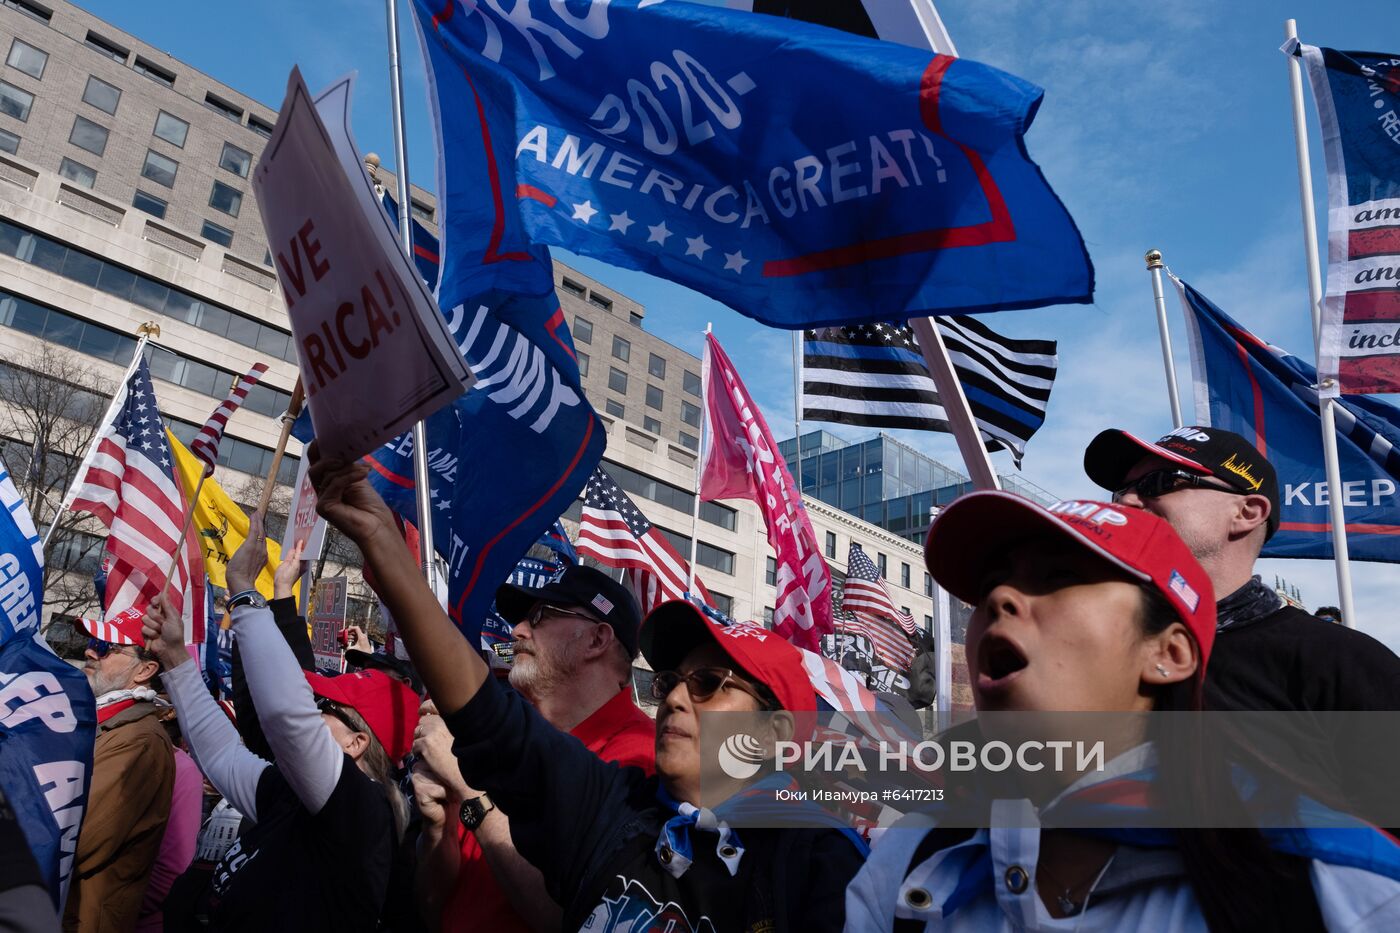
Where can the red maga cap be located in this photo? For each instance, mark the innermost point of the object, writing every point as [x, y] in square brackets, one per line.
[673, 629]
[388, 706]
[979, 527]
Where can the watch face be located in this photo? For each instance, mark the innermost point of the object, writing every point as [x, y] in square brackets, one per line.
[473, 812]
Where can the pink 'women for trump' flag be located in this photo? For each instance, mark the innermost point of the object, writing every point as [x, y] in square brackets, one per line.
[743, 462]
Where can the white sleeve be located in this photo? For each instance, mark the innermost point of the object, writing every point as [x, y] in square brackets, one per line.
[307, 755]
[232, 769]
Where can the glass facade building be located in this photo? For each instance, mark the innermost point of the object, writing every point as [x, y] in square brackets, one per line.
[883, 481]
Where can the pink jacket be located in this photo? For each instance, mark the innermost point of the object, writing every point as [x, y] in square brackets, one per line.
[178, 845]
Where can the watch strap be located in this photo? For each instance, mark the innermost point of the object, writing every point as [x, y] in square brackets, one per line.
[244, 598]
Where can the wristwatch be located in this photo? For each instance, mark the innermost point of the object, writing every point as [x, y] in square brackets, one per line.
[247, 598]
[474, 810]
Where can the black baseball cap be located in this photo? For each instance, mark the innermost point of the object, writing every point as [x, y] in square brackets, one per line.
[388, 663]
[1209, 451]
[583, 588]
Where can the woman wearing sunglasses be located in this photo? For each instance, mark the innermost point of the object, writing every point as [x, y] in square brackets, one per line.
[618, 850]
[1091, 607]
[327, 816]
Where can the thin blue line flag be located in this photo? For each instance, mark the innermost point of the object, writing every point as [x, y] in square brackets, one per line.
[802, 175]
[1270, 397]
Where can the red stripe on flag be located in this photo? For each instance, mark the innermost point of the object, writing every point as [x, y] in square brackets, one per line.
[1377, 241]
[424, 253]
[1352, 528]
[531, 193]
[1370, 373]
[1380, 305]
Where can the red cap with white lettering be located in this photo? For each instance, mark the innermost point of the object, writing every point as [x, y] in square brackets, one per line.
[976, 530]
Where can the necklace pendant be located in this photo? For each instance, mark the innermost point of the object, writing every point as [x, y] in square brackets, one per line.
[1068, 907]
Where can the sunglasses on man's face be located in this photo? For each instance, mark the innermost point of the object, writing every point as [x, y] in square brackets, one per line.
[701, 683]
[103, 648]
[543, 612]
[1159, 483]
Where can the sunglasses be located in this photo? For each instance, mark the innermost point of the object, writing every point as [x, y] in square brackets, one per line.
[543, 612]
[701, 683]
[1162, 482]
[103, 648]
[334, 709]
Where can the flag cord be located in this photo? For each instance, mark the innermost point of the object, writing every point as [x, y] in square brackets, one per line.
[1154, 268]
[1336, 512]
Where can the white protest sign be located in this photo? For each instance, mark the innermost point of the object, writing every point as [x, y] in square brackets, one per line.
[374, 351]
[304, 526]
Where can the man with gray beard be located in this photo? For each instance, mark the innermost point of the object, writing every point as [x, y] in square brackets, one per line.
[575, 639]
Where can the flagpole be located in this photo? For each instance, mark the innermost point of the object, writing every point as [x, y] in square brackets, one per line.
[145, 330]
[950, 393]
[1154, 267]
[700, 463]
[204, 474]
[422, 479]
[797, 405]
[1335, 510]
[288, 417]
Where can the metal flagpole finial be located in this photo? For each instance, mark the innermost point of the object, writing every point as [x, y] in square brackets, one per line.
[1154, 259]
[149, 329]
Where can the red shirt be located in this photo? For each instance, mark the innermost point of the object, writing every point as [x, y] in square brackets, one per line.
[617, 731]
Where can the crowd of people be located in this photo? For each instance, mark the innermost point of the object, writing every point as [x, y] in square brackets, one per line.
[442, 794]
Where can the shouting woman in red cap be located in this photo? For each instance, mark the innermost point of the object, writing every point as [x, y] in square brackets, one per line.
[327, 816]
[1089, 607]
[618, 850]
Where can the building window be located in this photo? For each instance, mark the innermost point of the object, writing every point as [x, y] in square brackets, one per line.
[102, 95]
[77, 173]
[235, 160]
[657, 366]
[149, 203]
[635, 318]
[622, 350]
[583, 330]
[600, 301]
[831, 544]
[904, 575]
[573, 288]
[160, 169]
[615, 408]
[171, 129]
[716, 514]
[26, 58]
[904, 610]
[651, 424]
[212, 231]
[880, 562]
[226, 199]
[655, 397]
[113, 51]
[88, 135]
[770, 572]
[582, 362]
[928, 585]
[617, 380]
[423, 212]
[15, 102]
[689, 440]
[223, 108]
[725, 604]
[28, 9]
[707, 555]
[690, 414]
[928, 623]
[691, 383]
[260, 127]
[9, 142]
[154, 72]
[767, 616]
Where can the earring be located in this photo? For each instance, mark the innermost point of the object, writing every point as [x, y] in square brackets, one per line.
[1162, 670]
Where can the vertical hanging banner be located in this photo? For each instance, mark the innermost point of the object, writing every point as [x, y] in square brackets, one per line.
[48, 718]
[743, 462]
[799, 174]
[375, 354]
[1358, 104]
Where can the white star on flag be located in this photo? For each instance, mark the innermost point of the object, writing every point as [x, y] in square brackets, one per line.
[696, 246]
[584, 211]
[621, 222]
[659, 233]
[735, 261]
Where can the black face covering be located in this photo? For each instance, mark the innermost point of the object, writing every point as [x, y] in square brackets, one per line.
[1249, 603]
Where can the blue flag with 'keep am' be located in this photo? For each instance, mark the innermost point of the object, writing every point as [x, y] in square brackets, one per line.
[801, 175]
[48, 717]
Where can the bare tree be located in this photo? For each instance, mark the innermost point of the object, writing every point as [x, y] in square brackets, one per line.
[51, 403]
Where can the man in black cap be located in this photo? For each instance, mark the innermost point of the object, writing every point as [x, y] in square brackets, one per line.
[575, 639]
[1222, 497]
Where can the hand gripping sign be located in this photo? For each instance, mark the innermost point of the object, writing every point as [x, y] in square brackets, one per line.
[374, 352]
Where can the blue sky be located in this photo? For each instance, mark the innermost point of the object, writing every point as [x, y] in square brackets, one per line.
[1164, 125]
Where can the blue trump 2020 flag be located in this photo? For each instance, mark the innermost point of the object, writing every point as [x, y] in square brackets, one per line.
[48, 717]
[801, 175]
[1247, 386]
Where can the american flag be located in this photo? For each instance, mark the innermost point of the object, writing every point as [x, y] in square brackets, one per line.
[875, 615]
[614, 531]
[205, 445]
[128, 482]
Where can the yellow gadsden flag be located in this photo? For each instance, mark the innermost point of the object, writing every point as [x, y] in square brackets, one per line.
[219, 523]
